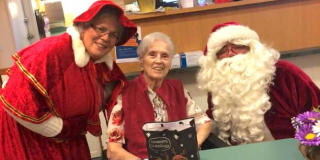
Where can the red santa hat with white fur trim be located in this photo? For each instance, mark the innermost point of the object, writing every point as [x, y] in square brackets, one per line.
[227, 32]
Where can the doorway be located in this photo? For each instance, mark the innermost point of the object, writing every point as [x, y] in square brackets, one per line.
[23, 23]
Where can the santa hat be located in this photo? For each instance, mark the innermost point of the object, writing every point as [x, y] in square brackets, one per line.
[129, 27]
[227, 32]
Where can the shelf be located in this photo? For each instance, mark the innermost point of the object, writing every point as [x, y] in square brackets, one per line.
[298, 53]
[284, 55]
[194, 69]
[196, 9]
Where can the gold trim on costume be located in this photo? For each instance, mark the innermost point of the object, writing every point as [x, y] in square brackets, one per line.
[36, 84]
[16, 57]
[21, 115]
[9, 72]
[97, 134]
[93, 123]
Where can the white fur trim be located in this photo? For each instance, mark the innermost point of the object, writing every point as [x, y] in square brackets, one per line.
[226, 34]
[107, 59]
[81, 57]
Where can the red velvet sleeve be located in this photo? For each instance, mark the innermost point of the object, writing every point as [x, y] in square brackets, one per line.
[293, 93]
[23, 100]
[294, 89]
[36, 70]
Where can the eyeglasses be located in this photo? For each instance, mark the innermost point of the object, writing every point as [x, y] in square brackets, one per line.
[234, 48]
[113, 36]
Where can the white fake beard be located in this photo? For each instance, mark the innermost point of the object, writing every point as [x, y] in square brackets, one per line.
[239, 90]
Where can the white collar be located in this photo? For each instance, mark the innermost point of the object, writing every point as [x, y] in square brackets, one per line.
[81, 57]
[151, 94]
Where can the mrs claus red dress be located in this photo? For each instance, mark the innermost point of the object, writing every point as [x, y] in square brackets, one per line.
[46, 83]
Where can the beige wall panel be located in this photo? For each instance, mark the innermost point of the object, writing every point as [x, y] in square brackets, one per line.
[286, 25]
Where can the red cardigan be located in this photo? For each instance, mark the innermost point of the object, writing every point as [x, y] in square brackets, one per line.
[138, 110]
[293, 93]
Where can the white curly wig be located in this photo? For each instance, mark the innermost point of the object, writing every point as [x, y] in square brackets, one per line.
[239, 84]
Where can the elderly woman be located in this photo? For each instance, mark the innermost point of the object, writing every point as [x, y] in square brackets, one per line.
[58, 86]
[151, 97]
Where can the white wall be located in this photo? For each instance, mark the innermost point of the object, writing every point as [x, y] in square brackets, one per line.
[7, 41]
[310, 64]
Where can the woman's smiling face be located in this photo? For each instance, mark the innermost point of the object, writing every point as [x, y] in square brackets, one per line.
[98, 43]
[156, 63]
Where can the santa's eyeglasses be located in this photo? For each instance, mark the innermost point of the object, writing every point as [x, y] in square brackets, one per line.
[236, 49]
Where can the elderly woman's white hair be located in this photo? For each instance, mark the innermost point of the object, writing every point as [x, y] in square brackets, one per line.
[152, 37]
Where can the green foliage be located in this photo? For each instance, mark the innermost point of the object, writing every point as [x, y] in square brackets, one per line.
[316, 109]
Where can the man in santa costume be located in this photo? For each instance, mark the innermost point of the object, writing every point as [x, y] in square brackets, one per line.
[252, 95]
[58, 86]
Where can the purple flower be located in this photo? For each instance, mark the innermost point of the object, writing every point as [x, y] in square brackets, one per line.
[306, 136]
[308, 117]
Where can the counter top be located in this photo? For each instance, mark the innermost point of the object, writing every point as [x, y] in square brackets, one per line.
[285, 149]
